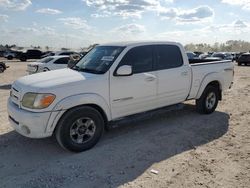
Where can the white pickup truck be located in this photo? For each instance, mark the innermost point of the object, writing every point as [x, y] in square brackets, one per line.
[112, 81]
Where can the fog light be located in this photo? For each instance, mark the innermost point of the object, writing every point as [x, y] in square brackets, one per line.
[25, 130]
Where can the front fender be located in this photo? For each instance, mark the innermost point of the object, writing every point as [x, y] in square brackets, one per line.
[76, 100]
[214, 76]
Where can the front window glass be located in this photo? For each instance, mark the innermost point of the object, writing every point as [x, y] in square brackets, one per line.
[99, 60]
[140, 58]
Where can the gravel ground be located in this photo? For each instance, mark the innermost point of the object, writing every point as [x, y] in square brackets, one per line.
[184, 148]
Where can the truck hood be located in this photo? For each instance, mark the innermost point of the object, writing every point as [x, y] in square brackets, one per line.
[52, 79]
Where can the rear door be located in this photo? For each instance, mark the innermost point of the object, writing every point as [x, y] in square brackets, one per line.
[135, 93]
[174, 78]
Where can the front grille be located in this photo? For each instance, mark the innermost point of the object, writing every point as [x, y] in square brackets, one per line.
[16, 122]
[15, 96]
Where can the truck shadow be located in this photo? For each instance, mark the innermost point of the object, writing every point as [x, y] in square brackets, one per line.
[122, 155]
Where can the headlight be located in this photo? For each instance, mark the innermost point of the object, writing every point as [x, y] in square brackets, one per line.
[33, 68]
[37, 100]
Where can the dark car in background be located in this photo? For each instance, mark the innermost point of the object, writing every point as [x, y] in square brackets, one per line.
[30, 54]
[244, 59]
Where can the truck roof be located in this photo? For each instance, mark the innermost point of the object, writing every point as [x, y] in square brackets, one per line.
[135, 43]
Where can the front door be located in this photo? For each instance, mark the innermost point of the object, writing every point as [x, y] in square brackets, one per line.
[135, 93]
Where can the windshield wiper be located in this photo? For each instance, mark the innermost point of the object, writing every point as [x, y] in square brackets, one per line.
[77, 68]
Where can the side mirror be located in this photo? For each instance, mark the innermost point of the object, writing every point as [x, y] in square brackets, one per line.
[125, 70]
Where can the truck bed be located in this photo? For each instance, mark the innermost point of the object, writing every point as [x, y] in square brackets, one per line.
[218, 70]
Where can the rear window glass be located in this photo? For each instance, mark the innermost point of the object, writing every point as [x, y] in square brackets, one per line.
[168, 56]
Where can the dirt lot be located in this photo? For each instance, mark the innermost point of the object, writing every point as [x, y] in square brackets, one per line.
[187, 149]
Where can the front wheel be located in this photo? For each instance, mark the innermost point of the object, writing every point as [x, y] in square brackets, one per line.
[80, 129]
[10, 57]
[208, 101]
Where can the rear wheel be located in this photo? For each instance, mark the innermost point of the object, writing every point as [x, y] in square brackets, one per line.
[23, 58]
[208, 101]
[80, 129]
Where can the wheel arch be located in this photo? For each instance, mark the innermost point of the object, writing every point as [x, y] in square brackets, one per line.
[214, 80]
[69, 103]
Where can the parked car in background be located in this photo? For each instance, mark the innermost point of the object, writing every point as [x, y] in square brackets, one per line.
[47, 64]
[30, 54]
[204, 55]
[192, 55]
[238, 54]
[244, 59]
[2, 53]
[11, 54]
[222, 55]
[60, 53]
[3, 67]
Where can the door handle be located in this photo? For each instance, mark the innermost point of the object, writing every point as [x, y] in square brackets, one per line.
[150, 79]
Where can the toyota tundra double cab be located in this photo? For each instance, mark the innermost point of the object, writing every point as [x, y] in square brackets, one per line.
[111, 82]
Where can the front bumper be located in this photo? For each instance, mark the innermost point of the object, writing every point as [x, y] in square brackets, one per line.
[29, 124]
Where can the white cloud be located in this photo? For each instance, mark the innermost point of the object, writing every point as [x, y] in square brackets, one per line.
[198, 14]
[240, 24]
[130, 29]
[245, 4]
[124, 8]
[15, 4]
[75, 22]
[127, 32]
[99, 15]
[209, 34]
[49, 11]
[3, 18]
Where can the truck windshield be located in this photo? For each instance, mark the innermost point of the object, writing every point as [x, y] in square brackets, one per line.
[99, 59]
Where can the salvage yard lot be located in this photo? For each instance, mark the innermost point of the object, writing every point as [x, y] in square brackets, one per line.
[185, 148]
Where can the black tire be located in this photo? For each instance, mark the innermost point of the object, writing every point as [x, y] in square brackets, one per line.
[64, 128]
[23, 58]
[10, 57]
[2, 69]
[239, 64]
[201, 103]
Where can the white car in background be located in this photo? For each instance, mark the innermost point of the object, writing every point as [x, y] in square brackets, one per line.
[47, 64]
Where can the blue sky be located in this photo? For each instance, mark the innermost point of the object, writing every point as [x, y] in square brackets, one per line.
[79, 23]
